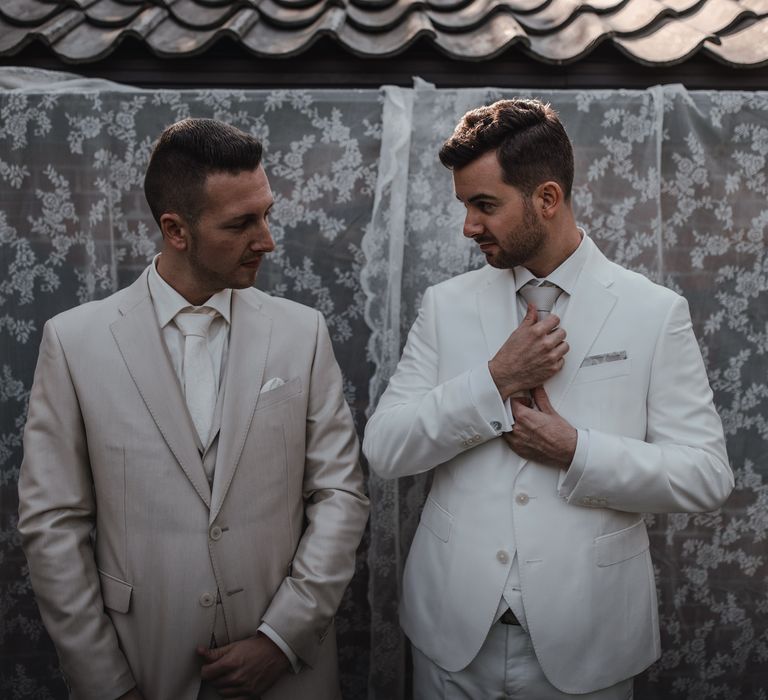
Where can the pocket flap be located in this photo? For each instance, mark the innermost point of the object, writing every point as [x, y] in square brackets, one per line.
[437, 519]
[115, 593]
[621, 545]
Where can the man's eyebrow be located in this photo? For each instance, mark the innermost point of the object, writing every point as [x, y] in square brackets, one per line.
[482, 195]
[477, 197]
[240, 218]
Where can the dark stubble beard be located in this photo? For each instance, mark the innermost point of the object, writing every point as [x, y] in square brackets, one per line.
[528, 239]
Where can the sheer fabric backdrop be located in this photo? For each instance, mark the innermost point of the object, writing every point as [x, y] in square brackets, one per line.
[669, 183]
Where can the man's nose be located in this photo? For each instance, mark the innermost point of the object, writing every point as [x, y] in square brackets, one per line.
[472, 226]
[262, 240]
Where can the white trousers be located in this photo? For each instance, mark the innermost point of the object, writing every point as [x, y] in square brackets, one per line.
[505, 668]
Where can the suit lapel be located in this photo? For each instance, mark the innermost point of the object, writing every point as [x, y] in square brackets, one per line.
[588, 309]
[497, 308]
[138, 337]
[249, 338]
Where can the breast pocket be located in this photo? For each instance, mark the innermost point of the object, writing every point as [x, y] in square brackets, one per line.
[604, 370]
[279, 394]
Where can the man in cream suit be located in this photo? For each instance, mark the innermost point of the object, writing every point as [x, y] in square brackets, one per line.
[191, 498]
[548, 434]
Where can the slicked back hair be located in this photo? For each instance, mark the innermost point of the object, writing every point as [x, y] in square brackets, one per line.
[530, 143]
[186, 153]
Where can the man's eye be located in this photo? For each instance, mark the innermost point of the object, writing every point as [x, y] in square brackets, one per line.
[485, 207]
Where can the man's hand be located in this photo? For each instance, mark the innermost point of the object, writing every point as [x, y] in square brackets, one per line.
[132, 694]
[541, 435]
[530, 356]
[244, 669]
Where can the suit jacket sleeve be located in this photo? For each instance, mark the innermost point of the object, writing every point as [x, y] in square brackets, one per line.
[682, 465]
[57, 514]
[336, 511]
[420, 421]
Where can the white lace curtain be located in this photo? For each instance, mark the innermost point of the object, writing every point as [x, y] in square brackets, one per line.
[668, 182]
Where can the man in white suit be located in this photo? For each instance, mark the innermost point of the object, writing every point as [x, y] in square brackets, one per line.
[190, 496]
[529, 577]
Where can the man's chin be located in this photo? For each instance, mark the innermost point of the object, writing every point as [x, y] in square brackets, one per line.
[500, 262]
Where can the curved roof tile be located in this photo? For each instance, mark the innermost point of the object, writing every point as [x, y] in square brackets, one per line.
[748, 47]
[654, 32]
[487, 41]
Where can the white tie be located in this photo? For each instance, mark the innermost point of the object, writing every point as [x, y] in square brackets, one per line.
[199, 377]
[542, 294]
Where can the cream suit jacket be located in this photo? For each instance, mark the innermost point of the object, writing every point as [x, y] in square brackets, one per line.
[655, 445]
[126, 541]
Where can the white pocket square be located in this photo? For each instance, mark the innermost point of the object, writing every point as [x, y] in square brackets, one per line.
[607, 357]
[271, 384]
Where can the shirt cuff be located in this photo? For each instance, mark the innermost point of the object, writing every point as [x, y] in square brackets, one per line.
[578, 464]
[266, 630]
[487, 400]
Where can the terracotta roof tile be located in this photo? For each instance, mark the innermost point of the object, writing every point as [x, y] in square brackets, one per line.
[672, 43]
[748, 47]
[28, 12]
[638, 15]
[487, 41]
[656, 32]
[111, 13]
[573, 41]
[267, 40]
[389, 42]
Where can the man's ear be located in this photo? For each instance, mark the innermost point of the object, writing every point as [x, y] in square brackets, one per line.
[549, 198]
[175, 231]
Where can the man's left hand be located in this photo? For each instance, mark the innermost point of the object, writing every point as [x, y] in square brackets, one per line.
[542, 435]
[244, 669]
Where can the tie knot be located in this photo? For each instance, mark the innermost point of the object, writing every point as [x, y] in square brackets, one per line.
[194, 323]
[542, 294]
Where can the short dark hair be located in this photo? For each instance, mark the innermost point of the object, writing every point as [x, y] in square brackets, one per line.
[528, 137]
[186, 153]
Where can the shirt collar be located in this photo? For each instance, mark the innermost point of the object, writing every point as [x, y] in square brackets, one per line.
[168, 302]
[564, 276]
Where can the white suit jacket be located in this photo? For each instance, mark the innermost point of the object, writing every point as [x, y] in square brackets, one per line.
[655, 445]
[126, 541]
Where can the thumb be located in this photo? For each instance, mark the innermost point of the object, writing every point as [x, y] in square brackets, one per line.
[531, 315]
[542, 400]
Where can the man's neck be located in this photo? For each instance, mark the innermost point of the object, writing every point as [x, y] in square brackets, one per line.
[176, 279]
[560, 246]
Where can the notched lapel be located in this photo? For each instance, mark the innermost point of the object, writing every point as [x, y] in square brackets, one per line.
[588, 309]
[249, 339]
[138, 337]
[497, 309]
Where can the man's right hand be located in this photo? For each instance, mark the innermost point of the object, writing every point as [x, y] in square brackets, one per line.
[132, 694]
[532, 354]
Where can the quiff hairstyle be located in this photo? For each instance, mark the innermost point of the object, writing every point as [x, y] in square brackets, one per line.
[186, 153]
[530, 143]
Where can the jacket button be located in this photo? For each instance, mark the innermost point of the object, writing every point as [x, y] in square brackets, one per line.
[206, 600]
[522, 498]
[496, 426]
[215, 532]
[502, 556]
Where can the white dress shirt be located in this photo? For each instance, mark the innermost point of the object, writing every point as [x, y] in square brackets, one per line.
[167, 303]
